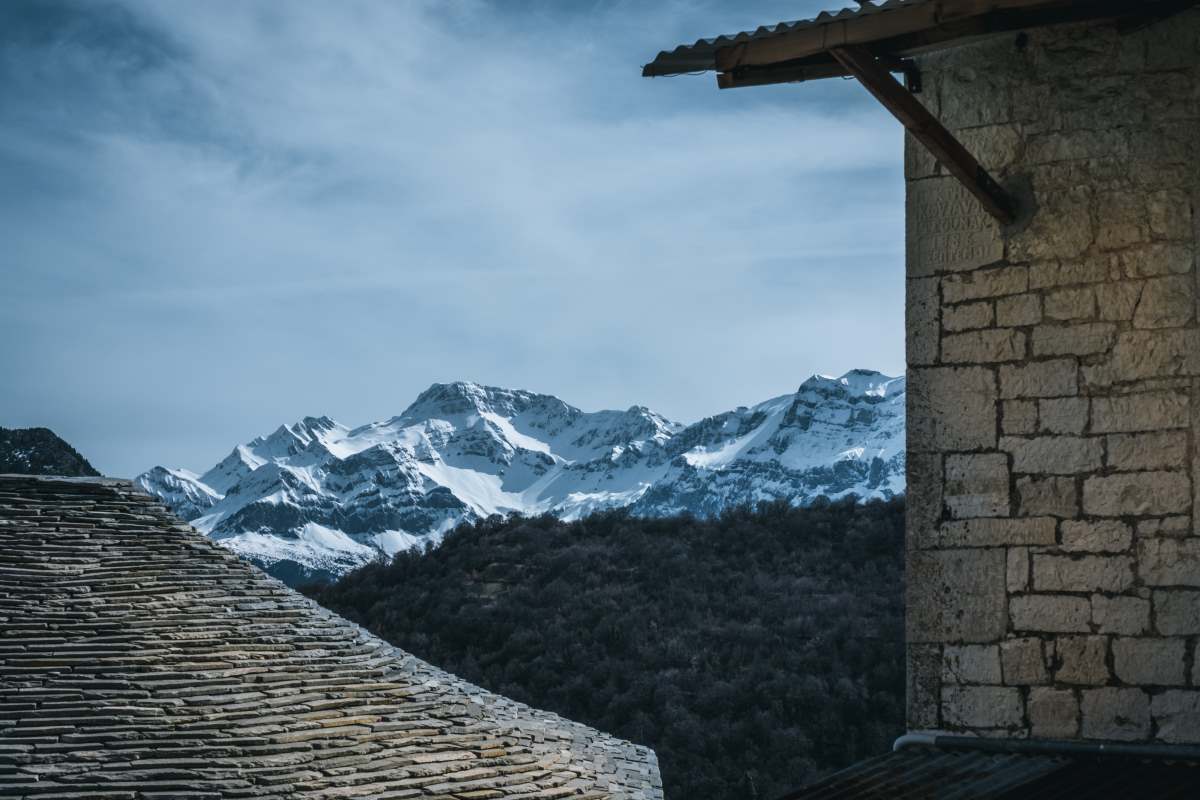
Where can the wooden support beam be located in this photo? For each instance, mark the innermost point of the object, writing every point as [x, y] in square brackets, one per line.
[860, 63]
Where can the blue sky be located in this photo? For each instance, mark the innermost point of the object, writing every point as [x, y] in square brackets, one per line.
[221, 216]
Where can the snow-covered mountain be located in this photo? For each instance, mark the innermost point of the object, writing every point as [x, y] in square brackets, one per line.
[316, 498]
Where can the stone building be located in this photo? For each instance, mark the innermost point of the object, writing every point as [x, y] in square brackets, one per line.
[1052, 163]
[140, 660]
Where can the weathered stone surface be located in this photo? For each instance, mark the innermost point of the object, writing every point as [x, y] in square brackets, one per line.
[981, 707]
[1122, 614]
[951, 408]
[1142, 354]
[1050, 613]
[1055, 378]
[1018, 417]
[985, 283]
[1082, 573]
[923, 501]
[1051, 496]
[971, 663]
[1019, 310]
[1143, 451]
[1047, 274]
[977, 485]
[1082, 660]
[924, 673]
[1157, 259]
[1117, 301]
[956, 596]
[1149, 411]
[968, 316]
[1149, 662]
[1054, 455]
[1023, 662]
[1071, 304]
[1103, 536]
[996, 532]
[1170, 214]
[1062, 229]
[1166, 526]
[1177, 612]
[1079, 339]
[983, 347]
[922, 325]
[1063, 415]
[1176, 714]
[1116, 714]
[1137, 494]
[1169, 562]
[948, 230]
[1053, 713]
[1166, 303]
[1018, 569]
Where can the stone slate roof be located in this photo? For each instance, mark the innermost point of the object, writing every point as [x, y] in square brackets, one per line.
[140, 660]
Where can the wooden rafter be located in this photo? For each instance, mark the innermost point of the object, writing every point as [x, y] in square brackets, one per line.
[859, 62]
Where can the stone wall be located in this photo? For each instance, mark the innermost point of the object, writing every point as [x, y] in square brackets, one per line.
[1054, 403]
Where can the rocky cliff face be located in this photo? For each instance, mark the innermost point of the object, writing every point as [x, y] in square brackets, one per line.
[316, 498]
[38, 451]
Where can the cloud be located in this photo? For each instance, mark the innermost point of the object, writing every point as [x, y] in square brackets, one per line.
[226, 215]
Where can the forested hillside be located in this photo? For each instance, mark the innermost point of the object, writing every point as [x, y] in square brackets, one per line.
[752, 651]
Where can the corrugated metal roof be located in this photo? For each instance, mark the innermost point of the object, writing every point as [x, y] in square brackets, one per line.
[701, 56]
[927, 772]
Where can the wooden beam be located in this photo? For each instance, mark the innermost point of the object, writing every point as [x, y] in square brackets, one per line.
[860, 63]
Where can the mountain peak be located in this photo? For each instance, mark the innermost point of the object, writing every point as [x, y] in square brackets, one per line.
[856, 382]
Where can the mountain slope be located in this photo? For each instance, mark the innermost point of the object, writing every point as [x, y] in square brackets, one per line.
[316, 498]
[39, 451]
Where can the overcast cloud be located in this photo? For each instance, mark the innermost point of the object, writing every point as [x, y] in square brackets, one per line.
[221, 216]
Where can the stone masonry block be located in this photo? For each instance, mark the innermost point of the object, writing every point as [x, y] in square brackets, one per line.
[1118, 300]
[1054, 455]
[1050, 613]
[1176, 714]
[921, 324]
[1082, 573]
[1053, 713]
[983, 347]
[1018, 417]
[1167, 526]
[1102, 536]
[1169, 561]
[1166, 303]
[982, 707]
[951, 408]
[968, 316]
[1023, 662]
[956, 596]
[971, 663]
[923, 501]
[997, 532]
[1063, 415]
[1053, 496]
[1177, 612]
[1143, 451]
[1018, 310]
[1137, 494]
[1147, 411]
[1048, 274]
[947, 230]
[924, 662]
[1071, 304]
[1082, 660]
[1121, 614]
[1160, 258]
[1116, 714]
[1149, 662]
[1018, 569]
[1141, 354]
[977, 485]
[1054, 378]
[1079, 340]
[985, 283]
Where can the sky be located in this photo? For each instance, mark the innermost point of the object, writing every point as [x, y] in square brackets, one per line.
[221, 216]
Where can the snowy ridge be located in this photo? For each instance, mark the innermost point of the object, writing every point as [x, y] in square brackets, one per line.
[316, 498]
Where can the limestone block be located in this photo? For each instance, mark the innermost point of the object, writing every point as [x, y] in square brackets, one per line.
[983, 347]
[1054, 455]
[996, 147]
[997, 532]
[1082, 660]
[1017, 572]
[923, 503]
[1017, 310]
[924, 662]
[1177, 612]
[1050, 613]
[1019, 416]
[982, 707]
[948, 230]
[1117, 301]
[1122, 219]
[1062, 228]
[1140, 354]
[956, 596]
[1053, 573]
[1149, 662]
[968, 316]
[977, 485]
[1147, 411]
[922, 326]
[1116, 714]
[1159, 258]
[1053, 713]
[1071, 304]
[1054, 378]
[1166, 526]
[951, 408]
[1054, 496]
[1138, 494]
[1141, 451]
[1169, 562]
[1103, 536]
[1122, 614]
[1068, 415]
[972, 98]
[971, 663]
[985, 283]
[1176, 714]
[1023, 662]
[1079, 339]
[1048, 274]
[1171, 214]
[1076, 145]
[1166, 303]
